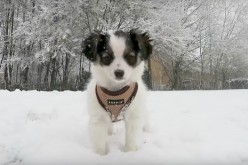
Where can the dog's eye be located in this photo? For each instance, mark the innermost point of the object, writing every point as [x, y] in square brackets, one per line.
[106, 59]
[130, 58]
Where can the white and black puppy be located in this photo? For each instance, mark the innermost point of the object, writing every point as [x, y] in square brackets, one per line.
[116, 90]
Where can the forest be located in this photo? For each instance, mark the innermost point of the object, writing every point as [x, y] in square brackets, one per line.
[200, 44]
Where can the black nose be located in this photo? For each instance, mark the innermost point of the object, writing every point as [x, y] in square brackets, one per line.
[119, 74]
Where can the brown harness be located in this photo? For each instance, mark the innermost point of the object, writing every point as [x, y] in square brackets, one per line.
[116, 102]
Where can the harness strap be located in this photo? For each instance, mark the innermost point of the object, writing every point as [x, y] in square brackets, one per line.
[116, 102]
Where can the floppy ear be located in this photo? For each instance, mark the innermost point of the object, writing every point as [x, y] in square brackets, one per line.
[141, 42]
[90, 45]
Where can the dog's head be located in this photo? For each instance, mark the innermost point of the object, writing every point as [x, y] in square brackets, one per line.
[118, 54]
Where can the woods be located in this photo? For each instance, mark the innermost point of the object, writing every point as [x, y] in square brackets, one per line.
[200, 44]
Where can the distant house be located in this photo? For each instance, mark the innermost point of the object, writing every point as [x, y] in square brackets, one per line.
[160, 76]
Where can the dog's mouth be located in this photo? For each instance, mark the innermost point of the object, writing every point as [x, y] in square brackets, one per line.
[119, 79]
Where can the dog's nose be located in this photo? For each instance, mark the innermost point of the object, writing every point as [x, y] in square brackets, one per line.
[119, 74]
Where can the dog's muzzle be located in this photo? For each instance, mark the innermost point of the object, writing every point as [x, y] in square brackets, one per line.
[119, 74]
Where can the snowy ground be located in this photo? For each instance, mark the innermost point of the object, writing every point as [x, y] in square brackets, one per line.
[195, 127]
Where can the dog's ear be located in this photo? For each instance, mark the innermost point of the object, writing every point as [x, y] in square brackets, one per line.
[141, 43]
[91, 45]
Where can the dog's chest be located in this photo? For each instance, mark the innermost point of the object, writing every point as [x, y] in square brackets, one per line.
[116, 102]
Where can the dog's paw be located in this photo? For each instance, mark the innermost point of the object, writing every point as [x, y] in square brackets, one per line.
[101, 151]
[129, 148]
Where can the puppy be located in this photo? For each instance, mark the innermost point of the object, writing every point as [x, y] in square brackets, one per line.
[116, 90]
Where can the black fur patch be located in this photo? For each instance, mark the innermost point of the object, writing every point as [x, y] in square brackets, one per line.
[141, 43]
[94, 44]
[137, 43]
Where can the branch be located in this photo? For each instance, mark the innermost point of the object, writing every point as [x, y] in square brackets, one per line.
[185, 19]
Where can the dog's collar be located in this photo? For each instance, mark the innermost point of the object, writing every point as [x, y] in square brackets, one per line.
[116, 102]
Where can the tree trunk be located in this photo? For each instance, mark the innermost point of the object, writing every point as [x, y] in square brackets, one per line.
[11, 51]
[66, 71]
[17, 70]
[202, 62]
[177, 80]
[53, 74]
[46, 83]
[224, 77]
[6, 48]
[216, 78]
[40, 69]
[24, 77]
[6, 77]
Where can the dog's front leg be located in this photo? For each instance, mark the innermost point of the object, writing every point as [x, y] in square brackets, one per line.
[99, 131]
[133, 132]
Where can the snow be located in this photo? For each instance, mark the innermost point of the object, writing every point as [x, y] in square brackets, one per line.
[188, 127]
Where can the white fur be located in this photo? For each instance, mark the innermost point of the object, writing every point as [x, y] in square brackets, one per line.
[135, 117]
[118, 46]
